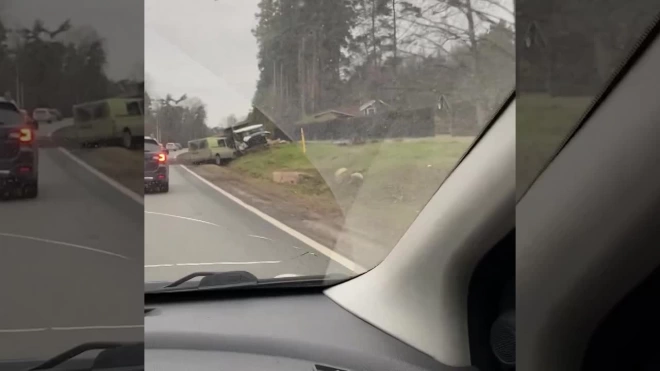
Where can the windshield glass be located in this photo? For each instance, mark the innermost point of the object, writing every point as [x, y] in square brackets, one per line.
[8, 116]
[151, 146]
[71, 217]
[368, 106]
[565, 61]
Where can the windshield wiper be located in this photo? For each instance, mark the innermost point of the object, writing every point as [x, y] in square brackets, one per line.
[243, 279]
[114, 356]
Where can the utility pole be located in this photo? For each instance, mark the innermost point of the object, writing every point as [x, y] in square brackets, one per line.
[157, 126]
[19, 97]
[18, 87]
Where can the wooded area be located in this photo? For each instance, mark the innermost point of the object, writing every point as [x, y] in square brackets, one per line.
[320, 55]
[315, 55]
[55, 68]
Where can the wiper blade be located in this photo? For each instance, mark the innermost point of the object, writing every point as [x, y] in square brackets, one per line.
[218, 279]
[114, 356]
[243, 279]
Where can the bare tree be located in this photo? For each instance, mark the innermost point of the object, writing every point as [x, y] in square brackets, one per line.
[448, 25]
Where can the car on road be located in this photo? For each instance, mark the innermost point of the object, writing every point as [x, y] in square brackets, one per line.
[156, 166]
[56, 114]
[218, 150]
[42, 115]
[171, 147]
[19, 153]
[110, 121]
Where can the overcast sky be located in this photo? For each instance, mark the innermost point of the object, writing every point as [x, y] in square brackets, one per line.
[119, 22]
[205, 49]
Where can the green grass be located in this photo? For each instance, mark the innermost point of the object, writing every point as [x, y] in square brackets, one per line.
[543, 122]
[399, 177]
[441, 152]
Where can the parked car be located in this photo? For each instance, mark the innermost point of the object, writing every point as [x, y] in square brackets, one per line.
[19, 152]
[42, 115]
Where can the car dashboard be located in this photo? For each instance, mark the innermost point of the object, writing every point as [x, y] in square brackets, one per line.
[279, 332]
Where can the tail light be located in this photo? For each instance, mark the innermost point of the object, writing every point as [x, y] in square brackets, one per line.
[24, 135]
[161, 157]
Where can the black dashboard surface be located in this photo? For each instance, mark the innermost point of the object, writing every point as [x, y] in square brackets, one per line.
[292, 332]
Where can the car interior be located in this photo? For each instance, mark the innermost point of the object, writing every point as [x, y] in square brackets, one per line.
[587, 254]
[441, 300]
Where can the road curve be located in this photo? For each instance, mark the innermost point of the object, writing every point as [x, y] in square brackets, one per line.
[71, 263]
[195, 228]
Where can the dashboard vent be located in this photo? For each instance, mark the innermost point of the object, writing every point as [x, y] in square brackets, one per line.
[327, 368]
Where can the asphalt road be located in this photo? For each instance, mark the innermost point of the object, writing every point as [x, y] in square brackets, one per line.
[195, 228]
[71, 265]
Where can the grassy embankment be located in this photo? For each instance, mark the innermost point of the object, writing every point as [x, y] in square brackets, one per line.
[399, 179]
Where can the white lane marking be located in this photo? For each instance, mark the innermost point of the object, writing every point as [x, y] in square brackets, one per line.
[75, 328]
[261, 237]
[127, 192]
[64, 244]
[353, 266]
[181, 217]
[19, 330]
[213, 263]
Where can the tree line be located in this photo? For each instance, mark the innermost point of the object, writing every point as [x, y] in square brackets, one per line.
[320, 55]
[55, 67]
[176, 120]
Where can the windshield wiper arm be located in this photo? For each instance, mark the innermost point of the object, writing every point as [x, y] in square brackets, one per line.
[218, 279]
[114, 355]
[240, 279]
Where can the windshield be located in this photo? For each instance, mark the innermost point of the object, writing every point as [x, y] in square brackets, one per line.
[71, 237]
[565, 62]
[9, 116]
[368, 106]
[151, 146]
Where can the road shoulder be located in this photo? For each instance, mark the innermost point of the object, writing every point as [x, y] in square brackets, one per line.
[120, 165]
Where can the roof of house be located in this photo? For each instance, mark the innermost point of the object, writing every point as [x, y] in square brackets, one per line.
[371, 103]
[348, 110]
[333, 111]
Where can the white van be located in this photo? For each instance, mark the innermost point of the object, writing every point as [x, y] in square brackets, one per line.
[42, 115]
[218, 150]
[110, 121]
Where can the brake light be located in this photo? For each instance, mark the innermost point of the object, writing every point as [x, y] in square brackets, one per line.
[24, 135]
[161, 157]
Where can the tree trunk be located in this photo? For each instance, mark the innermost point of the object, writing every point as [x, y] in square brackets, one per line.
[373, 32]
[474, 48]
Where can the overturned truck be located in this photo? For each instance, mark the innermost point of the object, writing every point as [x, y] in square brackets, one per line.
[248, 138]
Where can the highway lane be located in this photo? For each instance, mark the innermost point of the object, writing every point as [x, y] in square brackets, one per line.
[195, 228]
[71, 263]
